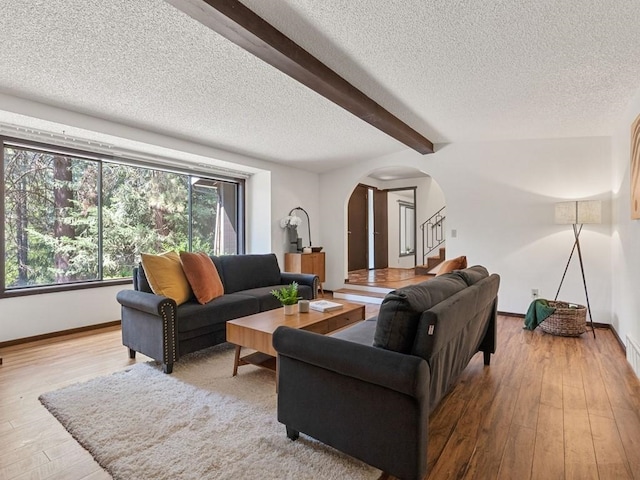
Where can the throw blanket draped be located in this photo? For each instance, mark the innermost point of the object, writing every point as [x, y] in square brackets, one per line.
[538, 311]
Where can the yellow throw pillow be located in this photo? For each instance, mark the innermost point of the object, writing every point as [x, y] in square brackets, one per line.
[166, 277]
[202, 276]
[457, 263]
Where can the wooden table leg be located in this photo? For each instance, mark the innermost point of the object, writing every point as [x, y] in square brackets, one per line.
[236, 360]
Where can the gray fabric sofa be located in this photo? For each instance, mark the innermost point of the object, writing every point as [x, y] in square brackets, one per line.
[155, 326]
[368, 390]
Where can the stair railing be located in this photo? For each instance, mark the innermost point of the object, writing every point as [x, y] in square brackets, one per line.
[432, 233]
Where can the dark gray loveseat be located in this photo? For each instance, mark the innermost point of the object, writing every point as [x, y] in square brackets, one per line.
[155, 326]
[369, 389]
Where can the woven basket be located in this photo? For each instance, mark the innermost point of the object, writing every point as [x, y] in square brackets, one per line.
[565, 321]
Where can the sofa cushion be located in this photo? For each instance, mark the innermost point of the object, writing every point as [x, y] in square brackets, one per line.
[192, 315]
[267, 301]
[140, 281]
[361, 332]
[166, 277]
[401, 310]
[218, 264]
[202, 276]
[457, 263]
[466, 311]
[473, 274]
[243, 272]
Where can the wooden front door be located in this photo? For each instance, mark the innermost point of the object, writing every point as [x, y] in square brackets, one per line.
[357, 232]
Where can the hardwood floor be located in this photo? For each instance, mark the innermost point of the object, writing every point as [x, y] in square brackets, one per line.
[33, 445]
[386, 277]
[547, 407]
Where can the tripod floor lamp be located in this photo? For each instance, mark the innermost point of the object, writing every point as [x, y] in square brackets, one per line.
[577, 213]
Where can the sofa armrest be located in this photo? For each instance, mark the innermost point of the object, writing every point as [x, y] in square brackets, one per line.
[367, 402]
[402, 373]
[308, 279]
[149, 326]
[146, 302]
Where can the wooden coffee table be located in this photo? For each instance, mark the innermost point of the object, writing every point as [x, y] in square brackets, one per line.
[256, 331]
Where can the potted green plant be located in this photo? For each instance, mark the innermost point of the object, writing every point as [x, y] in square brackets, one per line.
[288, 297]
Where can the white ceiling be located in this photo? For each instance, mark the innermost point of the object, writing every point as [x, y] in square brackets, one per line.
[453, 70]
[396, 173]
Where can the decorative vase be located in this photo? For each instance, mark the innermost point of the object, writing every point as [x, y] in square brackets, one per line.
[290, 309]
[292, 233]
[303, 306]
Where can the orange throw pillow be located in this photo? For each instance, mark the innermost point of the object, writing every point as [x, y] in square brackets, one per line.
[202, 275]
[457, 263]
[165, 276]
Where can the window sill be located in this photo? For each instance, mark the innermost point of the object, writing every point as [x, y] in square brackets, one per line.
[23, 292]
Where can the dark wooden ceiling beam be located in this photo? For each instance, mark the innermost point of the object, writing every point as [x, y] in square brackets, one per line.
[242, 26]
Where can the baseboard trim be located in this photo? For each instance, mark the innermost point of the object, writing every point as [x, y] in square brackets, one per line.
[623, 347]
[510, 314]
[61, 333]
[633, 355]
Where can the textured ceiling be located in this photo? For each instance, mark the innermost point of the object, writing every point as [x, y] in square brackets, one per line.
[453, 70]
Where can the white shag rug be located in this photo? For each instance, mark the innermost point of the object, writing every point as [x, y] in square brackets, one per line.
[197, 423]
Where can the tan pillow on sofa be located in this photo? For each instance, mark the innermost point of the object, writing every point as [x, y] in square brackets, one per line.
[165, 276]
[202, 276]
[457, 263]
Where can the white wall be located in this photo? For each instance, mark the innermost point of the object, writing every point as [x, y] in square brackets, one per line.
[429, 195]
[429, 199]
[625, 303]
[500, 198]
[293, 188]
[23, 317]
[272, 191]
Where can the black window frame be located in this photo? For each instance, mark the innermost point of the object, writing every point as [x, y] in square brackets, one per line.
[403, 223]
[102, 158]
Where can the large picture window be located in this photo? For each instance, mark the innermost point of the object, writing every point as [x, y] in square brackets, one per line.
[74, 220]
[143, 210]
[214, 218]
[50, 218]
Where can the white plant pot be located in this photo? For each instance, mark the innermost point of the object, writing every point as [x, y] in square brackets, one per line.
[290, 309]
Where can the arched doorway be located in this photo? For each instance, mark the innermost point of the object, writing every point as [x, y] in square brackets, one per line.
[385, 241]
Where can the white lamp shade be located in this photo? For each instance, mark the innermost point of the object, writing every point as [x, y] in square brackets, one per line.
[566, 212]
[584, 211]
[590, 211]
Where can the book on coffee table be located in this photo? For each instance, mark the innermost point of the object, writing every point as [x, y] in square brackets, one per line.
[324, 306]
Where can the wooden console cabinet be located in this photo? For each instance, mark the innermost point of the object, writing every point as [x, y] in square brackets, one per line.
[306, 263]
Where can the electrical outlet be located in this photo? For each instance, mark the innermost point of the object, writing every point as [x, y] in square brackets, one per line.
[534, 293]
[454, 233]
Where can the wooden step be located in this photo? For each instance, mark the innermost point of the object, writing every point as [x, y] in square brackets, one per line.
[432, 262]
[358, 295]
[422, 270]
